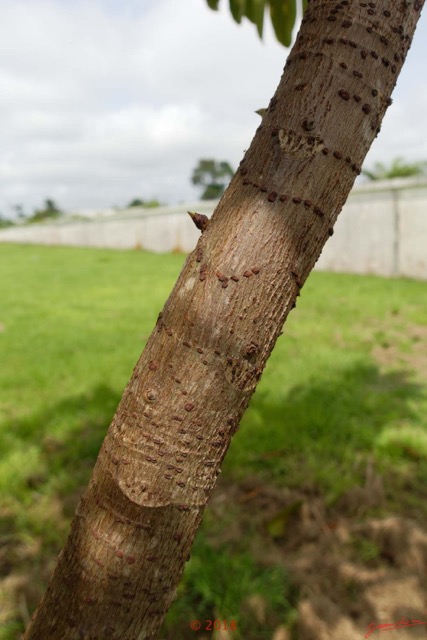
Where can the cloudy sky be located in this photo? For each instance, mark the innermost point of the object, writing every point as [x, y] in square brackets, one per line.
[102, 101]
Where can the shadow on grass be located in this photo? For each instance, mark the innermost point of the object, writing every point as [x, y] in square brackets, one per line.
[65, 439]
[54, 452]
[311, 433]
[316, 432]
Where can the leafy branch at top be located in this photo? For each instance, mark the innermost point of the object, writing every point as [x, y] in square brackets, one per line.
[282, 14]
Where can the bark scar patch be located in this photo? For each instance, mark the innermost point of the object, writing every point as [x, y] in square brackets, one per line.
[300, 145]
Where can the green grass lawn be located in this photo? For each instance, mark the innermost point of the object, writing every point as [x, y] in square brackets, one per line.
[346, 384]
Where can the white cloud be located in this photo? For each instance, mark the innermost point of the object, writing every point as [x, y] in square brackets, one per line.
[106, 100]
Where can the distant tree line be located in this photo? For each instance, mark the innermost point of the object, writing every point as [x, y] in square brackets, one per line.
[49, 211]
[150, 204]
[213, 176]
[397, 168]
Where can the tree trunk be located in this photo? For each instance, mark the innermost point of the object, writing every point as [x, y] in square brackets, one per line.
[135, 524]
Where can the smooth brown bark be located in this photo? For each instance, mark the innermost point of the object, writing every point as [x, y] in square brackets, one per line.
[134, 527]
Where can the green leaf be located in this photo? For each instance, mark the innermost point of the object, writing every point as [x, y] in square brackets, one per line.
[283, 14]
[304, 5]
[213, 4]
[255, 13]
[237, 8]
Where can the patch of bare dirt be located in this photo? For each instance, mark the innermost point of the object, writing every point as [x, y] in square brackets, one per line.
[389, 353]
[351, 570]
